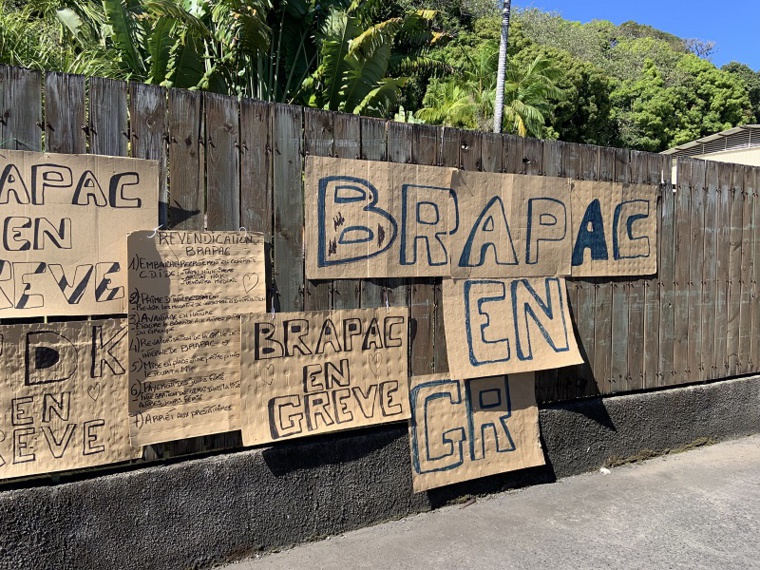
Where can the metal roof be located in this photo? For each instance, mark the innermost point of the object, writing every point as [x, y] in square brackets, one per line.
[737, 137]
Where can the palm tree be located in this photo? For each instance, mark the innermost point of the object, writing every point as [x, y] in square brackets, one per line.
[528, 94]
[465, 101]
[468, 101]
[502, 71]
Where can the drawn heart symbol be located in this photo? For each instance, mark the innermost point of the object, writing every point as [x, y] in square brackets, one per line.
[374, 363]
[268, 375]
[93, 391]
[250, 281]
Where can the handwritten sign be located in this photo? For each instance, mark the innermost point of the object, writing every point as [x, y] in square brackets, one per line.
[318, 372]
[617, 228]
[505, 326]
[466, 429]
[517, 226]
[380, 219]
[64, 226]
[366, 219]
[186, 290]
[63, 396]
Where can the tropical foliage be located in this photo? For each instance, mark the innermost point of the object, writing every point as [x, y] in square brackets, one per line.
[468, 99]
[414, 60]
[334, 54]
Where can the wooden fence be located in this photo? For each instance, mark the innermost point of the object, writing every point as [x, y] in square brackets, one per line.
[227, 164]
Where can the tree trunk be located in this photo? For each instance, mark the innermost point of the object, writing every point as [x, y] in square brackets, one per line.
[498, 113]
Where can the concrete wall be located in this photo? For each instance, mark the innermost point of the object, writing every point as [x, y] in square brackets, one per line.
[196, 513]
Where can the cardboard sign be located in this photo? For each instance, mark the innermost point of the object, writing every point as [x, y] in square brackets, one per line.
[310, 373]
[505, 326]
[64, 230]
[186, 290]
[381, 219]
[63, 396]
[374, 219]
[517, 226]
[465, 429]
[617, 231]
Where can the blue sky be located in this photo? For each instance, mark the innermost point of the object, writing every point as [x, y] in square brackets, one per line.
[733, 24]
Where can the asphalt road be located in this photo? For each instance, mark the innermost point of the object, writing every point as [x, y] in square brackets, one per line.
[698, 509]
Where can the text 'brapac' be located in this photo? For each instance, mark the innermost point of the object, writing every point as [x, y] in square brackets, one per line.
[370, 219]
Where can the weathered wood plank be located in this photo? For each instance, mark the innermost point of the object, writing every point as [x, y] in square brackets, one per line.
[222, 162]
[533, 157]
[21, 101]
[754, 276]
[585, 310]
[697, 250]
[552, 160]
[658, 167]
[549, 388]
[5, 104]
[620, 312]
[735, 234]
[571, 157]
[425, 140]
[65, 113]
[148, 135]
[533, 164]
[288, 207]
[681, 263]
[573, 381]
[471, 150]
[374, 146]
[186, 210]
[709, 271]
[745, 273]
[108, 122]
[666, 269]
[318, 141]
[347, 133]
[256, 177]
[639, 174]
[448, 155]
[512, 159]
[720, 366]
[603, 300]
[492, 152]
[400, 140]
[220, 134]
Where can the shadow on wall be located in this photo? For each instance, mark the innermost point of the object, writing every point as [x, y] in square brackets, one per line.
[177, 214]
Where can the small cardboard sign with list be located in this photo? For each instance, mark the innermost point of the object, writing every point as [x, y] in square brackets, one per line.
[186, 292]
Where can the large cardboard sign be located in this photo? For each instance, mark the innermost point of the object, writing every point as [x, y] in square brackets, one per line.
[186, 290]
[64, 230]
[506, 326]
[465, 429]
[317, 372]
[517, 226]
[617, 229]
[370, 219]
[63, 396]
[380, 219]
